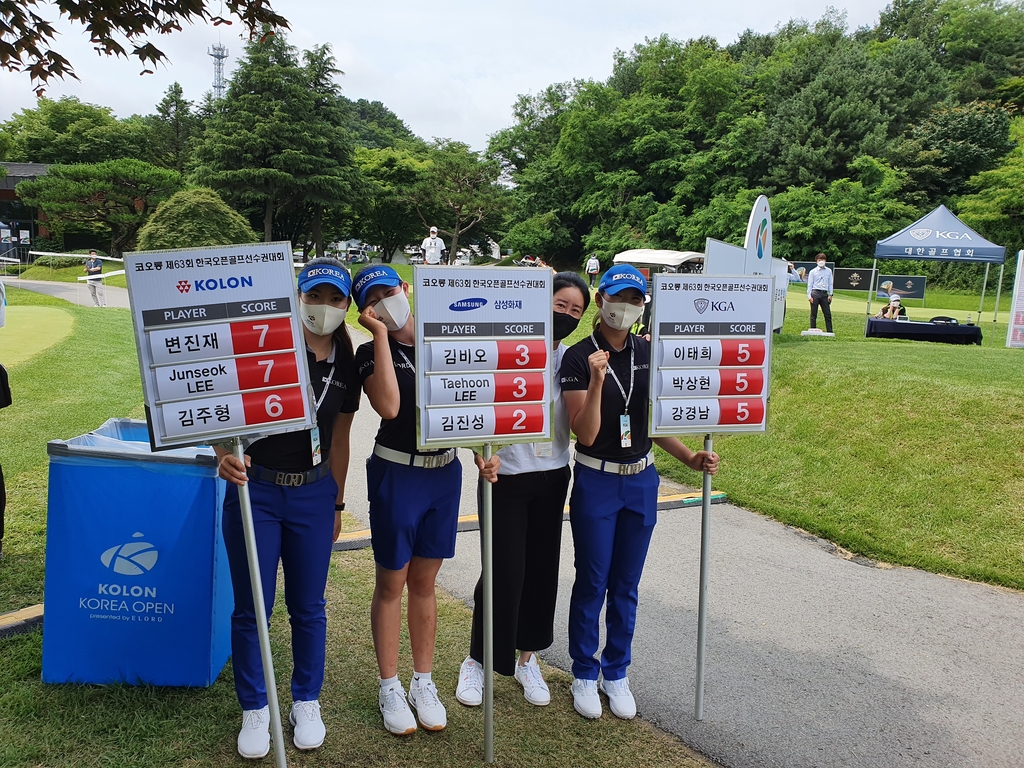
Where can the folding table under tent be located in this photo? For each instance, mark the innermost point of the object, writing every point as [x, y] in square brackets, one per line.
[940, 236]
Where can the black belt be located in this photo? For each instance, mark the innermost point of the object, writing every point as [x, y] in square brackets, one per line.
[293, 479]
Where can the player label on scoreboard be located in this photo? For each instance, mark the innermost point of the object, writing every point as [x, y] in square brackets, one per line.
[220, 343]
[711, 348]
[483, 355]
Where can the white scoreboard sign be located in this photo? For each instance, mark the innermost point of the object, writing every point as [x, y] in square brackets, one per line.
[711, 350]
[220, 346]
[483, 355]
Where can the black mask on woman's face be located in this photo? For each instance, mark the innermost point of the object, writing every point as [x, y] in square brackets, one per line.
[563, 325]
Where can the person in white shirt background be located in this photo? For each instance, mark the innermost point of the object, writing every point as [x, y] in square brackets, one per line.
[432, 247]
[593, 268]
[819, 292]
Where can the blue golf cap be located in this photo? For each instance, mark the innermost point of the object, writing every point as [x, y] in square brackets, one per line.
[320, 274]
[620, 277]
[379, 274]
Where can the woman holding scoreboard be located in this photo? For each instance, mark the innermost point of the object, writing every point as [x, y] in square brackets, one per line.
[614, 502]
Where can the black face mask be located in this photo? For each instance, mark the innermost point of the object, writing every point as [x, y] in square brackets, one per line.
[563, 326]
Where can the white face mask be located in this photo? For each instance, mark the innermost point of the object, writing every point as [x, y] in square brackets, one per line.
[322, 319]
[620, 315]
[393, 311]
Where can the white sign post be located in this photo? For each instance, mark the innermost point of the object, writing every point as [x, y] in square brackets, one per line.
[483, 376]
[222, 357]
[711, 347]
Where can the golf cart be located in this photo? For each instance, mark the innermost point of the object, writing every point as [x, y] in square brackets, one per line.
[650, 261]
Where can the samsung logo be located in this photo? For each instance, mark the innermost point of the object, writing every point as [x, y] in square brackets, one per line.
[465, 305]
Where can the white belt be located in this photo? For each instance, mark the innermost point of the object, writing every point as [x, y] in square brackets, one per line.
[430, 461]
[614, 468]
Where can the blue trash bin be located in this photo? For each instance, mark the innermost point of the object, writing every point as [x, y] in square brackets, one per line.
[138, 589]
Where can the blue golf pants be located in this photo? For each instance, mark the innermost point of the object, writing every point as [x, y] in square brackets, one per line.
[294, 526]
[612, 519]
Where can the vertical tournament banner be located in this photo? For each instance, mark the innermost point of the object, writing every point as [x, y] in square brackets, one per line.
[1015, 330]
[711, 347]
[483, 355]
[220, 347]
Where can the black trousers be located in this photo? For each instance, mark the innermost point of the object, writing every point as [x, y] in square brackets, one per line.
[820, 298]
[527, 512]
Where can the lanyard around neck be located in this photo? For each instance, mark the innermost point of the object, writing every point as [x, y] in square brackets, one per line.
[327, 386]
[626, 397]
[404, 357]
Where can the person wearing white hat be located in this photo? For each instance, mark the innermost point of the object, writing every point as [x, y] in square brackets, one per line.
[893, 309]
[433, 248]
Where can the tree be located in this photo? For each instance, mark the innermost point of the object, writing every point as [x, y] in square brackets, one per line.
[459, 188]
[194, 217]
[70, 131]
[174, 127]
[277, 141]
[115, 196]
[382, 210]
[25, 37]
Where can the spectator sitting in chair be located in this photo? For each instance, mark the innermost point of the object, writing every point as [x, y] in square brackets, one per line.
[893, 309]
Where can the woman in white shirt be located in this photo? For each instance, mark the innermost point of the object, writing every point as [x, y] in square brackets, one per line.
[528, 503]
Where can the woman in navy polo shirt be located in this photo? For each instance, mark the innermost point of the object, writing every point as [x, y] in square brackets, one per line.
[414, 505]
[614, 502]
[295, 523]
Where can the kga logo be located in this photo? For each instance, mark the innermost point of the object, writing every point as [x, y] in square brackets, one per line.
[215, 284]
[465, 305]
[701, 305]
[184, 286]
[131, 559]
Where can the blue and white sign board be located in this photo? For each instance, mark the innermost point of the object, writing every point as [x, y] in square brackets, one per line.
[711, 353]
[483, 355]
[220, 343]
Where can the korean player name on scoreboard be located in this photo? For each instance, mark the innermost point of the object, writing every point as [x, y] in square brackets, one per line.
[220, 348]
[482, 378]
[712, 350]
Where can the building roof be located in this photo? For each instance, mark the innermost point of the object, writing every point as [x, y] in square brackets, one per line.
[18, 172]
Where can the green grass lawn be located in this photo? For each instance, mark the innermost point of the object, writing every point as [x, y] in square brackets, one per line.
[71, 274]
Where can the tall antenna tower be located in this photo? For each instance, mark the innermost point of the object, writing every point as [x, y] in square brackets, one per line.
[218, 53]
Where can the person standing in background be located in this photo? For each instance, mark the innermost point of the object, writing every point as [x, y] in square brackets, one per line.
[819, 292]
[593, 268]
[94, 268]
[433, 248]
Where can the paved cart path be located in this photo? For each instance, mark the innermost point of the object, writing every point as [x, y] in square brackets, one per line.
[75, 293]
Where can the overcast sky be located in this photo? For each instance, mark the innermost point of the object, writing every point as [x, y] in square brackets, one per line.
[448, 68]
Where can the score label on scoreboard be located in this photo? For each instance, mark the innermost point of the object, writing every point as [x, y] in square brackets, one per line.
[220, 343]
[711, 346]
[483, 341]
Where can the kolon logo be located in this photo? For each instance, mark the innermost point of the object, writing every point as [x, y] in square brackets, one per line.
[701, 305]
[131, 559]
[184, 286]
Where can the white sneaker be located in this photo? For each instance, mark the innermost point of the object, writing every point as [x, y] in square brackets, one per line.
[470, 690]
[254, 738]
[534, 688]
[309, 726]
[620, 698]
[429, 709]
[398, 717]
[585, 698]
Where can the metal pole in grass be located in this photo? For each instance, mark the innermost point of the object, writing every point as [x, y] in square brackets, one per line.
[702, 605]
[488, 597]
[261, 614]
[999, 291]
[871, 293]
[984, 285]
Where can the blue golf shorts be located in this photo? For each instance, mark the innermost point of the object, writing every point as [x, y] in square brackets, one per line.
[414, 511]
